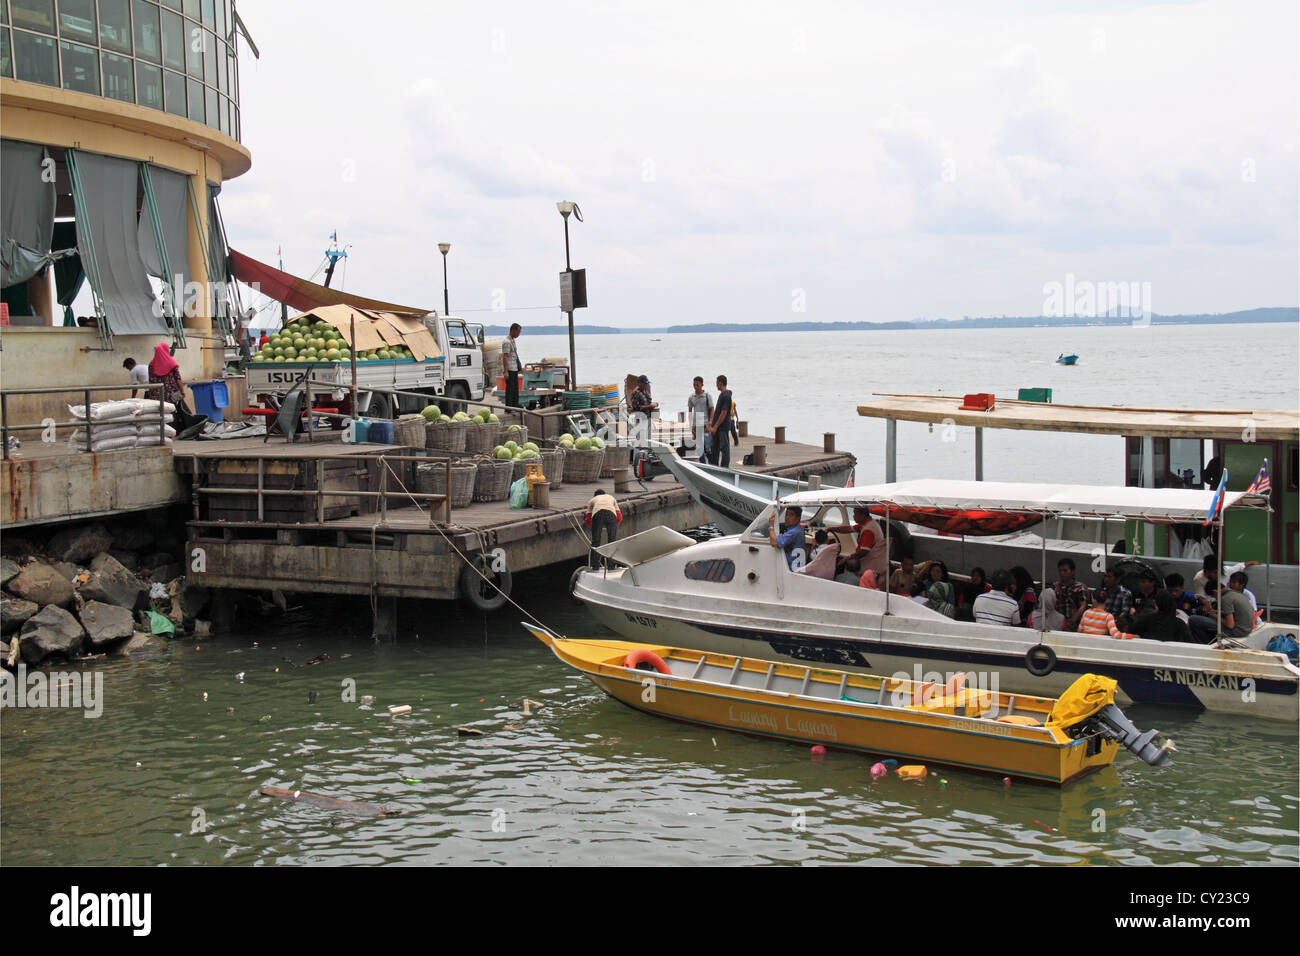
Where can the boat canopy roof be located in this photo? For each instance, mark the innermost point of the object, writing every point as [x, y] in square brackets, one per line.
[1228, 424]
[1155, 505]
[639, 548]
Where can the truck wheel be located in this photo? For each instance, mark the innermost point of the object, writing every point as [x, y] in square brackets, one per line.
[381, 406]
[479, 594]
[458, 390]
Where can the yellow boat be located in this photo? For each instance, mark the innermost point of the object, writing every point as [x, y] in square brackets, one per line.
[1033, 738]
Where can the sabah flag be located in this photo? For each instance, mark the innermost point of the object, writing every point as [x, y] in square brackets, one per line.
[1217, 503]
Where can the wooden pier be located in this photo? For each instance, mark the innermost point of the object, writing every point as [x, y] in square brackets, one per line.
[406, 549]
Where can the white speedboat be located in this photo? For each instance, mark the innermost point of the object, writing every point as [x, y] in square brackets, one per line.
[735, 595]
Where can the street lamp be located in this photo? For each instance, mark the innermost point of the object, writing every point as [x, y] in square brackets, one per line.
[566, 207]
[444, 248]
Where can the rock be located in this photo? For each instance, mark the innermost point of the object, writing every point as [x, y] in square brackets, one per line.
[156, 560]
[18, 546]
[132, 537]
[188, 601]
[106, 624]
[128, 559]
[113, 584]
[68, 570]
[8, 571]
[142, 642]
[79, 543]
[42, 584]
[166, 573]
[4, 652]
[14, 612]
[202, 628]
[51, 631]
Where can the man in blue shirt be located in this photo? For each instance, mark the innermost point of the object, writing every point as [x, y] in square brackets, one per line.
[720, 427]
[791, 539]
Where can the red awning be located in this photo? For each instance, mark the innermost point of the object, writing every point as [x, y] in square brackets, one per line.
[950, 521]
[299, 293]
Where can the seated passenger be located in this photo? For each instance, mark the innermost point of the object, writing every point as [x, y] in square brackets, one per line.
[1185, 603]
[1099, 621]
[997, 606]
[968, 593]
[1071, 595]
[940, 595]
[791, 539]
[868, 580]
[1024, 592]
[1162, 624]
[1047, 617]
[900, 582]
[870, 551]
[825, 553]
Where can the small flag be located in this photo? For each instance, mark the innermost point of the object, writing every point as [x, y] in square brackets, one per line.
[334, 236]
[1261, 485]
[1217, 503]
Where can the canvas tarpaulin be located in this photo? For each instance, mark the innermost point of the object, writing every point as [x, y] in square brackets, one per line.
[26, 211]
[376, 330]
[299, 293]
[109, 217]
[170, 193]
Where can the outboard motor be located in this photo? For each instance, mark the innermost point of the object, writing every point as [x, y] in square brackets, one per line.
[1114, 724]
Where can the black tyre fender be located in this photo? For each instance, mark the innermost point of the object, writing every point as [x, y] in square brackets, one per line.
[1040, 660]
[477, 593]
[900, 540]
[573, 583]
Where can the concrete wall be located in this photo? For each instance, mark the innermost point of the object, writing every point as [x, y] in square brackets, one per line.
[58, 488]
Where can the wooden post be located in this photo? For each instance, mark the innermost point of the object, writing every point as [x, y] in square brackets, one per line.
[320, 490]
[261, 486]
[780, 434]
[828, 443]
[681, 416]
[622, 479]
[979, 454]
[814, 482]
[891, 449]
[742, 428]
[760, 455]
[542, 494]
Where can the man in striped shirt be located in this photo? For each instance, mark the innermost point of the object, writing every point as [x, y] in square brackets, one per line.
[998, 606]
[1099, 621]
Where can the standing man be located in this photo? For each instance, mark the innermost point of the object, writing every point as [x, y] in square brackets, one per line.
[720, 426]
[139, 374]
[699, 409]
[603, 517]
[1071, 596]
[510, 360]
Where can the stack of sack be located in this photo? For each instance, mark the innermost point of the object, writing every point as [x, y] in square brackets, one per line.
[125, 423]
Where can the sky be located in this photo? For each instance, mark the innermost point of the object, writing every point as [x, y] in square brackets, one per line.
[754, 161]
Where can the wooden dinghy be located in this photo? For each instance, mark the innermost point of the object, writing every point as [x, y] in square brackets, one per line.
[1053, 741]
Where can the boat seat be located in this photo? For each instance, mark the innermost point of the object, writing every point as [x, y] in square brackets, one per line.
[1023, 720]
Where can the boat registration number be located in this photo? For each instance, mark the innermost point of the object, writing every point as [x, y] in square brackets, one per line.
[1199, 679]
[640, 619]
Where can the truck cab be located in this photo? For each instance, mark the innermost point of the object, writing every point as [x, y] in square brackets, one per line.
[463, 351]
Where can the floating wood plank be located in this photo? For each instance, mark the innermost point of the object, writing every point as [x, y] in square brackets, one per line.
[330, 803]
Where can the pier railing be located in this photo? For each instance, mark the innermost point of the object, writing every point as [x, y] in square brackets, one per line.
[320, 492]
[84, 391]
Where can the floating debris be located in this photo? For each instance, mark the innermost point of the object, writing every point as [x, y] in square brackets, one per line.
[240, 676]
[330, 803]
[912, 771]
[395, 709]
[529, 704]
[878, 770]
[205, 695]
[817, 750]
[469, 731]
[319, 659]
[311, 697]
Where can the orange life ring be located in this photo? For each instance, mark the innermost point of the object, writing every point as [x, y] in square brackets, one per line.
[643, 656]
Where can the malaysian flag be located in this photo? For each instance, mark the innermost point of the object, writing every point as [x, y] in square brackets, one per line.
[1261, 484]
[1217, 503]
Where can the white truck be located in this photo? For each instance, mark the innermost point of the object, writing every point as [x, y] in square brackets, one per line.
[453, 370]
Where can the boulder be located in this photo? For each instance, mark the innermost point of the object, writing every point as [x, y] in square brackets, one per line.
[156, 560]
[128, 559]
[112, 584]
[17, 545]
[52, 630]
[188, 601]
[8, 571]
[166, 573]
[141, 642]
[4, 652]
[133, 537]
[106, 624]
[79, 543]
[42, 584]
[14, 612]
[68, 570]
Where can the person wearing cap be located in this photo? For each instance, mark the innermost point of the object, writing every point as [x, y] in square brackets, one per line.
[640, 401]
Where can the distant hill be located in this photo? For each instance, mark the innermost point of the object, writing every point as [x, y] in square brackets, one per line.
[1246, 316]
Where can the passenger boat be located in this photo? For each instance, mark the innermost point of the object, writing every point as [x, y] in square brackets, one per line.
[1162, 448]
[1064, 359]
[1032, 738]
[736, 595]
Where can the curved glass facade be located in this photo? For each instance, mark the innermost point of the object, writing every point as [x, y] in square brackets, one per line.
[173, 55]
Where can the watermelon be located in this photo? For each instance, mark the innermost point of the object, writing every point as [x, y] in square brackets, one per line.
[530, 446]
[597, 443]
[431, 413]
[582, 444]
[527, 453]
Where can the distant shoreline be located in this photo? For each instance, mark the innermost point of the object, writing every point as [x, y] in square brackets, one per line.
[1246, 317]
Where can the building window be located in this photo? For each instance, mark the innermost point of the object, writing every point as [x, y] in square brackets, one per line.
[210, 98]
[191, 8]
[35, 58]
[196, 100]
[6, 57]
[115, 25]
[221, 82]
[222, 29]
[209, 14]
[148, 44]
[193, 50]
[210, 58]
[174, 90]
[34, 15]
[148, 83]
[119, 78]
[80, 67]
[173, 40]
[77, 20]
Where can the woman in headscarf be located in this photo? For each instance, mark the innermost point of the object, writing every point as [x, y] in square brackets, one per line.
[1048, 616]
[167, 371]
[940, 594]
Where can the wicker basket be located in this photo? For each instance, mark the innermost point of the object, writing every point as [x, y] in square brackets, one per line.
[409, 430]
[582, 465]
[431, 479]
[481, 439]
[616, 456]
[446, 435]
[553, 466]
[518, 437]
[493, 480]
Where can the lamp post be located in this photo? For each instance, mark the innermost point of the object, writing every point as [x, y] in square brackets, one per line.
[565, 207]
[444, 248]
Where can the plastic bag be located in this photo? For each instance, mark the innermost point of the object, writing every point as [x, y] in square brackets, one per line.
[519, 493]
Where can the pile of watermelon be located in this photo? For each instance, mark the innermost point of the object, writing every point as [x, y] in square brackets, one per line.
[512, 451]
[581, 444]
[305, 341]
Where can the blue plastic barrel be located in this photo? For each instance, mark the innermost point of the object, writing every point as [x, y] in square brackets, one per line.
[381, 433]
